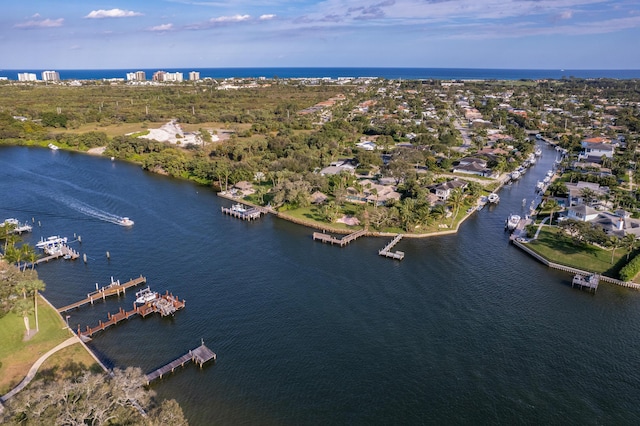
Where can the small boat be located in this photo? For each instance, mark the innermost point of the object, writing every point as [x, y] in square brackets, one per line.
[493, 198]
[125, 221]
[53, 147]
[537, 151]
[515, 175]
[145, 295]
[513, 221]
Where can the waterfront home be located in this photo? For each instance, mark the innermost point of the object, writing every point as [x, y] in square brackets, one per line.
[443, 190]
[576, 192]
[594, 151]
[472, 165]
[372, 192]
[244, 187]
[318, 198]
[582, 213]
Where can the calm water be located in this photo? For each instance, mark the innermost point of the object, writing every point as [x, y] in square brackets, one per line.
[466, 330]
[388, 73]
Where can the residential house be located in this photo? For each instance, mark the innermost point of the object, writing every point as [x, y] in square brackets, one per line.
[344, 165]
[443, 190]
[576, 190]
[594, 151]
[582, 213]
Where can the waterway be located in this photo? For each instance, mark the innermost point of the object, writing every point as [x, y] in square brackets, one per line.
[466, 330]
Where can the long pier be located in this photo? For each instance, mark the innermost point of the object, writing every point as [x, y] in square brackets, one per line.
[327, 238]
[386, 251]
[199, 355]
[243, 213]
[166, 304]
[115, 288]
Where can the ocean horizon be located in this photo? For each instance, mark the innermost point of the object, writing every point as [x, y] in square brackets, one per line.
[390, 73]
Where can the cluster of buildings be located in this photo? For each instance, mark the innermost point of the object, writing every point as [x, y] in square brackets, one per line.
[53, 76]
[163, 76]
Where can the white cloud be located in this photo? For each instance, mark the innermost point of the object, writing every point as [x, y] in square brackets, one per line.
[41, 23]
[567, 14]
[234, 18]
[163, 27]
[267, 17]
[112, 13]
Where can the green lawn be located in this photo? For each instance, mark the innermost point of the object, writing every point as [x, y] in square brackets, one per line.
[562, 250]
[17, 355]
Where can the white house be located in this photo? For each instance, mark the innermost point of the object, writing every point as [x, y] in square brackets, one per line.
[582, 213]
[596, 150]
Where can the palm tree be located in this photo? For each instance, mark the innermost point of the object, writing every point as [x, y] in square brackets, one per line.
[438, 212]
[23, 307]
[614, 243]
[552, 205]
[629, 243]
[35, 286]
[455, 201]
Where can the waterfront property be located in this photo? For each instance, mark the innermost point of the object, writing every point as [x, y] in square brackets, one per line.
[386, 251]
[240, 211]
[115, 288]
[166, 304]
[199, 355]
[330, 239]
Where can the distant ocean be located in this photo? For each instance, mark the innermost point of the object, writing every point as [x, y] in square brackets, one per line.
[387, 73]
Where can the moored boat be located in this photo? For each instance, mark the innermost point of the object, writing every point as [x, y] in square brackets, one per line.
[145, 295]
[512, 222]
[53, 147]
[493, 198]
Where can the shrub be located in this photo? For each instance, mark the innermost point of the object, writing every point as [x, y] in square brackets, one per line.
[631, 269]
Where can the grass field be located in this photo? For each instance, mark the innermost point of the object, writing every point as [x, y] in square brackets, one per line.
[17, 355]
[562, 250]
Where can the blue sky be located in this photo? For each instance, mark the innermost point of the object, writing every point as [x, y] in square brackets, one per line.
[78, 34]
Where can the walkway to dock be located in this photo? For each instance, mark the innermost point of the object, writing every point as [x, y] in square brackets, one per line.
[386, 251]
[115, 288]
[244, 213]
[165, 305]
[199, 355]
[328, 238]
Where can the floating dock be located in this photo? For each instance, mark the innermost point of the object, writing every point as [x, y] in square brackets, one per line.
[386, 251]
[327, 238]
[199, 355]
[115, 288]
[166, 304]
[241, 212]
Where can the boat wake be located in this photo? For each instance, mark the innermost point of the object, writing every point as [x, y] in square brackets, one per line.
[96, 213]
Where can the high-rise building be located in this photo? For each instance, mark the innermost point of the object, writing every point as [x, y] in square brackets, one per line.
[50, 76]
[136, 76]
[194, 76]
[27, 76]
[173, 76]
[159, 75]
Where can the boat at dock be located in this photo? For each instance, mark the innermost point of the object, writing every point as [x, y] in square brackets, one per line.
[239, 208]
[145, 295]
[512, 222]
[125, 221]
[51, 242]
[493, 198]
[16, 226]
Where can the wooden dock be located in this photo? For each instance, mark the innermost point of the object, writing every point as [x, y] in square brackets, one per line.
[199, 355]
[241, 212]
[165, 304]
[386, 251]
[115, 288]
[328, 238]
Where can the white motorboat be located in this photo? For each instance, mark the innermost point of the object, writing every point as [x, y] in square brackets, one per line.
[145, 295]
[53, 147]
[513, 221]
[52, 241]
[493, 198]
[515, 175]
[125, 221]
